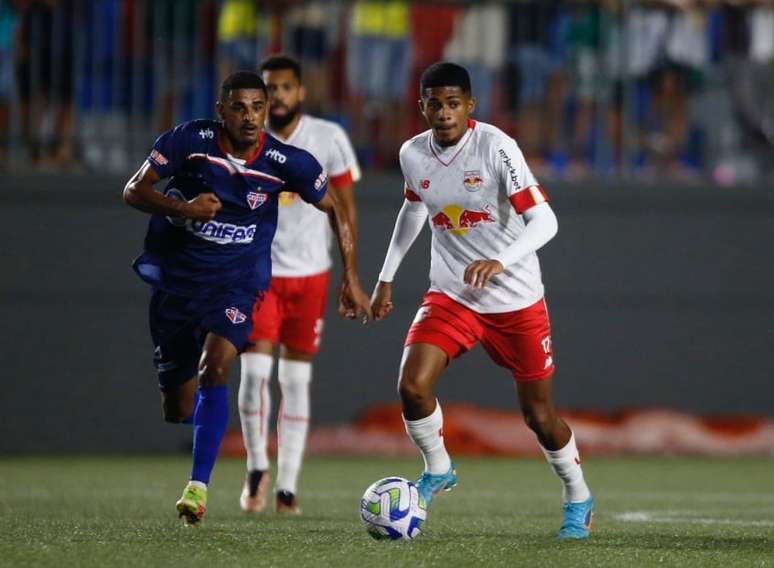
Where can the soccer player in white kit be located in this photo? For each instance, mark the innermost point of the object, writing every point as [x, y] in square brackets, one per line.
[291, 314]
[488, 215]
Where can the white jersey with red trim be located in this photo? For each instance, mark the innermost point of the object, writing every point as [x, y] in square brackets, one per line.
[475, 193]
[303, 240]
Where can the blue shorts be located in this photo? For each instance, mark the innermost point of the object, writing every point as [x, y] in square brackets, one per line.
[179, 325]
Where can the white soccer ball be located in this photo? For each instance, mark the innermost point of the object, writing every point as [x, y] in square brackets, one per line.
[392, 508]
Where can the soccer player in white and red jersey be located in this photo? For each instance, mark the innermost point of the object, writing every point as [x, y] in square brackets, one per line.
[292, 312]
[488, 215]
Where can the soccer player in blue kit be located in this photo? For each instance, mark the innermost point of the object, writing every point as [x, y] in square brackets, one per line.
[207, 256]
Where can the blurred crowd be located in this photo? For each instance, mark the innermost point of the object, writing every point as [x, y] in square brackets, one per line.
[656, 88]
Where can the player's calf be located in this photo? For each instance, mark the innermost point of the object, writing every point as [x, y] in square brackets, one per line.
[178, 404]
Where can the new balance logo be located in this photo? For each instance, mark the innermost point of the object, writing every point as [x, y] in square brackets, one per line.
[276, 155]
[235, 316]
[206, 133]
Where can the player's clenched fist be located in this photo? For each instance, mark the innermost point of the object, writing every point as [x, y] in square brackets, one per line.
[381, 300]
[203, 207]
[479, 272]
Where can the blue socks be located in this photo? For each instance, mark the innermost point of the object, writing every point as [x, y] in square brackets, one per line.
[209, 425]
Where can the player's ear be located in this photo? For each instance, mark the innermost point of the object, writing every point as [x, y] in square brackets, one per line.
[421, 104]
[471, 104]
[301, 93]
[219, 109]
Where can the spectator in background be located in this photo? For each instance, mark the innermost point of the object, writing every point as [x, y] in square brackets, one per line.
[668, 52]
[537, 77]
[311, 29]
[244, 36]
[741, 151]
[9, 19]
[378, 65]
[432, 26]
[44, 73]
[478, 44]
[595, 53]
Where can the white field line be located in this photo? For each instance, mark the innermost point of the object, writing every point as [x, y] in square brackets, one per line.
[683, 517]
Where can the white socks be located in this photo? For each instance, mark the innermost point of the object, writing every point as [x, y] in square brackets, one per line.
[566, 463]
[255, 407]
[427, 435]
[292, 422]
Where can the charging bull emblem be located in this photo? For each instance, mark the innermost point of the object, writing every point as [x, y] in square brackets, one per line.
[459, 221]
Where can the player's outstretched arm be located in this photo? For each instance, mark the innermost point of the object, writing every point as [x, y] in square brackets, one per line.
[408, 225]
[140, 194]
[541, 226]
[353, 302]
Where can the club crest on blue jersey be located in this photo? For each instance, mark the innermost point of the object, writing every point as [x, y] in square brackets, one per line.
[235, 316]
[255, 200]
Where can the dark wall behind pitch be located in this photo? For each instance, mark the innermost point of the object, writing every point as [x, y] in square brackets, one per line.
[659, 296]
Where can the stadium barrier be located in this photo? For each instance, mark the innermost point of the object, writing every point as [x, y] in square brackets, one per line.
[475, 431]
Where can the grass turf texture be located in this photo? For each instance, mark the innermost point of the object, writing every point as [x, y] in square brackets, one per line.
[120, 512]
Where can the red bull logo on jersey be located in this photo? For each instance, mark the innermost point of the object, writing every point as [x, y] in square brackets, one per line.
[235, 316]
[472, 180]
[287, 198]
[255, 200]
[458, 221]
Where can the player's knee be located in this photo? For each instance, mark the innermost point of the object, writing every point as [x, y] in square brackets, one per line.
[413, 390]
[212, 374]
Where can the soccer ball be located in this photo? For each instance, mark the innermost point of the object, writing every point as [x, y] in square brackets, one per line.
[392, 508]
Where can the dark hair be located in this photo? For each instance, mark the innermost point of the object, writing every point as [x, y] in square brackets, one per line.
[242, 80]
[445, 74]
[280, 61]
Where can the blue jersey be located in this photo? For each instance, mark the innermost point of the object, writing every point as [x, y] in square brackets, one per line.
[233, 250]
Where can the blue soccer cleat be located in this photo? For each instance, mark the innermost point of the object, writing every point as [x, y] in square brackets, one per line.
[430, 484]
[577, 520]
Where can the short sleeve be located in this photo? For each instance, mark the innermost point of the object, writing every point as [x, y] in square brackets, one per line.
[305, 176]
[342, 166]
[522, 188]
[170, 151]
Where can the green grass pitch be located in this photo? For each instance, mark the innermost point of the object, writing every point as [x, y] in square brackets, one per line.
[96, 511]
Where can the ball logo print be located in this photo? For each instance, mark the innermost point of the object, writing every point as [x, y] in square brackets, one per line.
[393, 509]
